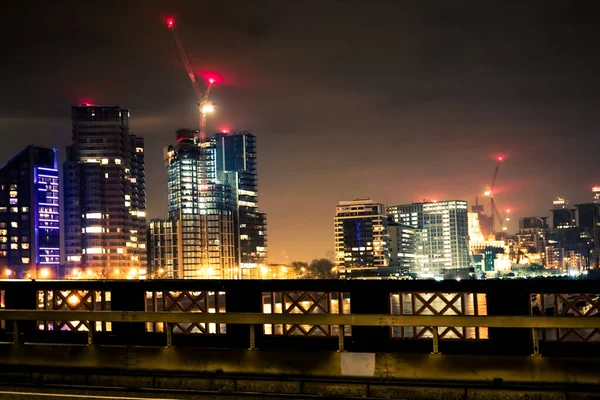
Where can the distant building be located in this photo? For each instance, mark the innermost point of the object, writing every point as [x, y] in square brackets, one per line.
[197, 240]
[104, 196]
[596, 193]
[589, 218]
[236, 165]
[555, 258]
[361, 239]
[532, 239]
[29, 215]
[402, 249]
[163, 254]
[442, 239]
[563, 215]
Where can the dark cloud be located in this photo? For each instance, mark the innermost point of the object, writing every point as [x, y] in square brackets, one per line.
[398, 101]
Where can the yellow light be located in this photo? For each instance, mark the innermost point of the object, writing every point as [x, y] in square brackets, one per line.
[117, 271]
[89, 272]
[133, 271]
[264, 269]
[8, 272]
[488, 193]
[210, 271]
[44, 273]
[73, 300]
[161, 270]
[208, 108]
[283, 269]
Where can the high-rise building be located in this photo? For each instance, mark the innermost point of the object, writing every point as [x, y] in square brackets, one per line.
[236, 165]
[402, 248]
[589, 219]
[198, 238]
[596, 193]
[105, 197]
[361, 239]
[163, 249]
[563, 215]
[532, 240]
[29, 215]
[442, 239]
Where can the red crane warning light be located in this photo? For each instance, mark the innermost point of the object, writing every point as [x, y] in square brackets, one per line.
[170, 21]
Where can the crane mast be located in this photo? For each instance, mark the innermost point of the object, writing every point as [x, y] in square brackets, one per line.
[204, 107]
[495, 213]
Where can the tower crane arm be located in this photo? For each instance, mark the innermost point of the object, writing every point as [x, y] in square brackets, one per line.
[184, 59]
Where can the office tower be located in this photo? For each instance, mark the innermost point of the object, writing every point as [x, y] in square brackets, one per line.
[361, 239]
[442, 239]
[563, 215]
[596, 193]
[163, 255]
[199, 234]
[589, 218]
[402, 248]
[29, 215]
[105, 197]
[532, 240]
[236, 166]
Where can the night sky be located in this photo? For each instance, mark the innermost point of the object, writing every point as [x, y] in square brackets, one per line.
[395, 100]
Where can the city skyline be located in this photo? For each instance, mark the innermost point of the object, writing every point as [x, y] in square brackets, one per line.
[432, 131]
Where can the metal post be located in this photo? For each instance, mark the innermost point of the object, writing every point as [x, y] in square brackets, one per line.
[341, 338]
[16, 333]
[536, 342]
[436, 341]
[252, 337]
[90, 341]
[169, 329]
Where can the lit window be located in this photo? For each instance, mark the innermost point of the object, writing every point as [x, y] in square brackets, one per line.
[14, 224]
[25, 260]
[105, 161]
[14, 201]
[93, 229]
[14, 246]
[117, 161]
[25, 246]
[120, 250]
[106, 175]
[141, 214]
[13, 193]
[25, 209]
[94, 250]
[93, 215]
[14, 209]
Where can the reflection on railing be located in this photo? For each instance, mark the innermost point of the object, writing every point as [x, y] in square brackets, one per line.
[437, 303]
[2, 305]
[74, 300]
[567, 304]
[301, 302]
[187, 301]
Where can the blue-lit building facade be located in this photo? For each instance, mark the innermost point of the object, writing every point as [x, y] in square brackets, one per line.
[29, 215]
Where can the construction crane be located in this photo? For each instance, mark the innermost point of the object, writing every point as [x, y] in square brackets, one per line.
[204, 107]
[495, 212]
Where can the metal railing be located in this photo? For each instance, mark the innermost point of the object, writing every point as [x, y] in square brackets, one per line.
[253, 319]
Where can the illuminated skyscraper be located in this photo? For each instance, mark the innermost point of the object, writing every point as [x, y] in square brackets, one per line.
[105, 197]
[236, 165]
[29, 215]
[442, 239]
[361, 239]
[197, 240]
